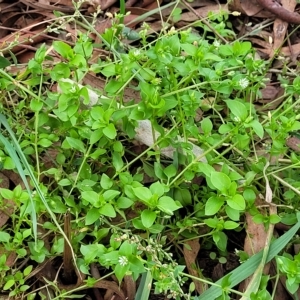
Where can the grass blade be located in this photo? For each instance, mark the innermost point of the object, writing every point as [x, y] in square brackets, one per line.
[17, 155]
[144, 289]
[248, 268]
[12, 153]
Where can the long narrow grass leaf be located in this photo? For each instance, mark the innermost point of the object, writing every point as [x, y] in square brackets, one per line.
[13, 151]
[248, 268]
[144, 289]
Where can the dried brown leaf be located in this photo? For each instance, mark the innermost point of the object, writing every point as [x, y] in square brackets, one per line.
[190, 253]
[280, 11]
[102, 25]
[255, 240]
[28, 38]
[293, 143]
[250, 8]
[41, 6]
[130, 287]
[285, 51]
[104, 4]
[11, 256]
[153, 4]
[8, 206]
[281, 293]
[280, 27]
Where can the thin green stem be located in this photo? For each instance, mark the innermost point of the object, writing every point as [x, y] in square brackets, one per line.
[198, 158]
[85, 157]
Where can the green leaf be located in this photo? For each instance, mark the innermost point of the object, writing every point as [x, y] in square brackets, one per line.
[220, 238]
[61, 70]
[113, 87]
[92, 216]
[64, 182]
[117, 160]
[4, 62]
[237, 202]
[241, 48]
[258, 128]
[24, 288]
[148, 217]
[170, 171]
[108, 210]
[183, 196]
[142, 193]
[211, 56]
[9, 284]
[8, 164]
[168, 205]
[224, 128]
[295, 126]
[78, 60]
[233, 214]
[105, 182]
[96, 136]
[238, 109]
[258, 218]
[6, 193]
[220, 181]
[222, 87]
[206, 125]
[73, 143]
[90, 196]
[63, 49]
[274, 219]
[27, 270]
[110, 131]
[189, 49]
[213, 205]
[108, 70]
[35, 104]
[97, 153]
[4, 237]
[213, 223]
[110, 195]
[205, 168]
[124, 202]
[126, 248]
[230, 225]
[44, 143]
[157, 188]
[120, 271]
[292, 287]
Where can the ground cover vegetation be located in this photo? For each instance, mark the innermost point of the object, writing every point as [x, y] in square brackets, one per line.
[110, 196]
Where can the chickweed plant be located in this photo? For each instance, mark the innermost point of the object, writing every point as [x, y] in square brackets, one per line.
[132, 209]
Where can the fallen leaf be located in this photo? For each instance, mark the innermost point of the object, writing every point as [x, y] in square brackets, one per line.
[255, 241]
[280, 26]
[190, 253]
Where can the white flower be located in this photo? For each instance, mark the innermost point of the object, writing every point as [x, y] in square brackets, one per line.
[123, 261]
[172, 31]
[136, 53]
[236, 13]
[244, 82]
[216, 43]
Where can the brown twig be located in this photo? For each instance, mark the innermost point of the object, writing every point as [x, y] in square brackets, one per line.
[279, 11]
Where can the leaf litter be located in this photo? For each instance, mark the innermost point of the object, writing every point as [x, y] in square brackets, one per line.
[29, 20]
